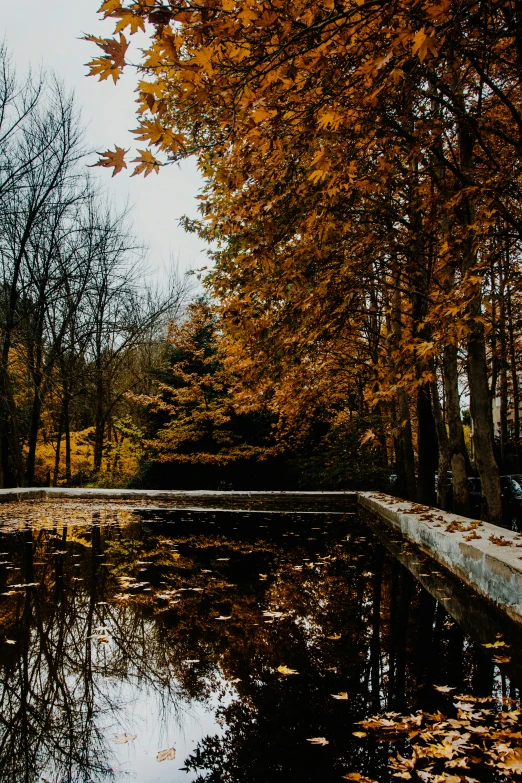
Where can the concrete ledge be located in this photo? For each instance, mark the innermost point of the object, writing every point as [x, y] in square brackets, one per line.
[198, 498]
[486, 557]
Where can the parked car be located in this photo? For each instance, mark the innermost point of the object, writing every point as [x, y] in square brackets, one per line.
[511, 488]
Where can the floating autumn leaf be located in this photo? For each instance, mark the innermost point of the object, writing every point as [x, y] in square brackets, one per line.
[114, 160]
[498, 643]
[10, 641]
[512, 761]
[285, 670]
[318, 741]
[168, 754]
[359, 733]
[342, 695]
[443, 688]
[146, 163]
[501, 659]
[357, 776]
[334, 636]
[223, 617]
[122, 739]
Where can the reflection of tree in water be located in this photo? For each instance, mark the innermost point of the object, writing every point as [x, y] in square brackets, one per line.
[163, 593]
[54, 704]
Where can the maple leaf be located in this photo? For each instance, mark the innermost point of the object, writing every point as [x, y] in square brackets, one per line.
[146, 163]
[114, 160]
[334, 636]
[424, 42]
[129, 19]
[443, 688]
[318, 741]
[113, 62]
[164, 755]
[285, 670]
[341, 696]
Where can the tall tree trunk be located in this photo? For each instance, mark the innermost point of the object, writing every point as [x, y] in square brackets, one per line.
[442, 438]
[58, 448]
[476, 348]
[458, 455]
[514, 378]
[67, 430]
[427, 447]
[36, 411]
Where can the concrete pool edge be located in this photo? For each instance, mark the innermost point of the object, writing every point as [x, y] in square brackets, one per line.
[468, 548]
[196, 498]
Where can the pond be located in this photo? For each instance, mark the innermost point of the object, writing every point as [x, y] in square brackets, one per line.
[159, 645]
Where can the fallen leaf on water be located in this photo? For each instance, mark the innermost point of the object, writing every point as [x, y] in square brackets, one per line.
[121, 739]
[443, 688]
[498, 643]
[163, 755]
[501, 659]
[222, 617]
[342, 695]
[318, 741]
[334, 636]
[10, 641]
[285, 670]
[359, 733]
[512, 762]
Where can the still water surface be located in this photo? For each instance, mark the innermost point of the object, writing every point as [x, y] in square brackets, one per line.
[166, 629]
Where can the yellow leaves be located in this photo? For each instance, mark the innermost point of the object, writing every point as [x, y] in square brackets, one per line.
[342, 696]
[360, 735]
[122, 739]
[129, 19]
[423, 42]
[367, 437]
[115, 160]
[512, 761]
[146, 163]
[164, 755]
[109, 6]
[228, 5]
[498, 643]
[329, 119]
[334, 636]
[318, 741]
[285, 670]
[113, 62]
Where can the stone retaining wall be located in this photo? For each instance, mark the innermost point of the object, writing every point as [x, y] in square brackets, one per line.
[486, 557]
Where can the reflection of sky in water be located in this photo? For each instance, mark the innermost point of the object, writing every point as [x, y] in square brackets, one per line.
[157, 728]
[94, 656]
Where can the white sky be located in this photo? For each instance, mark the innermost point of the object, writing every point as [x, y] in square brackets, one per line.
[46, 32]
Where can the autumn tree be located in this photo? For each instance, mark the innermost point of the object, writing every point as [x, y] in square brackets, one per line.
[346, 144]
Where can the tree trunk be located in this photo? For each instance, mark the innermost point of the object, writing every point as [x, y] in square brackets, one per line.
[483, 425]
[58, 449]
[514, 379]
[36, 411]
[442, 438]
[458, 454]
[67, 429]
[427, 447]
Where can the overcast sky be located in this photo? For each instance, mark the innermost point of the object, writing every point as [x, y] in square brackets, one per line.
[46, 33]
